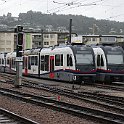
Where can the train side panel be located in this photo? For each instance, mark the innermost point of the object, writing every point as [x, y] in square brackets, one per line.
[100, 63]
[54, 63]
[2, 61]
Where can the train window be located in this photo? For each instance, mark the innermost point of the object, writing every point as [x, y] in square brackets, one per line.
[59, 60]
[8, 61]
[69, 60]
[46, 63]
[32, 60]
[25, 62]
[12, 62]
[42, 63]
[29, 62]
[115, 59]
[98, 60]
[84, 57]
[102, 62]
[0, 61]
[36, 60]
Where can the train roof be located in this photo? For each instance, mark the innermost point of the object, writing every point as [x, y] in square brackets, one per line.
[31, 51]
[112, 47]
[59, 48]
[11, 54]
[3, 52]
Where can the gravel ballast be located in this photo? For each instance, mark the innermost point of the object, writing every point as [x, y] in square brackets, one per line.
[39, 114]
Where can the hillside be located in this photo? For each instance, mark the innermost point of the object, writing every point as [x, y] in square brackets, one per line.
[81, 24]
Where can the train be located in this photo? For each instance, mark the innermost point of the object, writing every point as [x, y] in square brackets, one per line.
[111, 64]
[70, 63]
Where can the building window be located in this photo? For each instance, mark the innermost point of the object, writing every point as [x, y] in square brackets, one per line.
[8, 42]
[93, 39]
[106, 39]
[52, 36]
[2, 49]
[37, 36]
[51, 43]
[2, 42]
[46, 43]
[8, 34]
[46, 36]
[39, 43]
[2, 35]
[8, 49]
[88, 39]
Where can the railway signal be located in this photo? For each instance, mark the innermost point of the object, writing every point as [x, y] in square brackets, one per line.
[19, 41]
[19, 48]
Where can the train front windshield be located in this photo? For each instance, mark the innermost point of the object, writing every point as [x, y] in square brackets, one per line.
[115, 57]
[84, 57]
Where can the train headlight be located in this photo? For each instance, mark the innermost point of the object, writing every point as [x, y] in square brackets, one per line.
[74, 78]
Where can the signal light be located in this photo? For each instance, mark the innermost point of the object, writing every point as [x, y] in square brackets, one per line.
[20, 39]
[19, 28]
[19, 51]
[19, 31]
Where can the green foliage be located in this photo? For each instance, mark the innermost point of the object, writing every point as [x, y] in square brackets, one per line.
[81, 24]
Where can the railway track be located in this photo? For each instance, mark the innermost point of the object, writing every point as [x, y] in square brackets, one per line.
[111, 87]
[112, 103]
[106, 101]
[115, 86]
[100, 116]
[7, 117]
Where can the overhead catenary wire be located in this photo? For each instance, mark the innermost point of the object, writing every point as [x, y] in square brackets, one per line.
[71, 5]
[108, 8]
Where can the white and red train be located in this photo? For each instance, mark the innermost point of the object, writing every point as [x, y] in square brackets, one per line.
[78, 63]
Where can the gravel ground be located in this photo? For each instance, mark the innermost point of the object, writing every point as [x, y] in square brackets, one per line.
[57, 97]
[39, 114]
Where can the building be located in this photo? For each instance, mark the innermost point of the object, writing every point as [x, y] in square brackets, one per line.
[47, 39]
[99, 39]
[8, 39]
[44, 39]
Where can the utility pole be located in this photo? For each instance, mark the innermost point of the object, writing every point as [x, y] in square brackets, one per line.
[19, 59]
[70, 30]
[41, 38]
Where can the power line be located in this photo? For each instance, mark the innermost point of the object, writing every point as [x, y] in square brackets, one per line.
[3, 2]
[72, 5]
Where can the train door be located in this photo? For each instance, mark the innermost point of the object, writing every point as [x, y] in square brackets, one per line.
[10, 64]
[100, 59]
[34, 64]
[100, 62]
[51, 67]
[25, 61]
